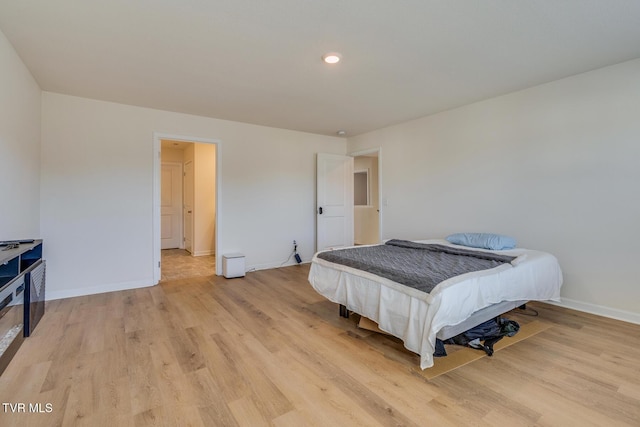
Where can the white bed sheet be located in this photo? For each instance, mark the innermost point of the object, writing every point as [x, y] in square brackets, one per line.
[415, 316]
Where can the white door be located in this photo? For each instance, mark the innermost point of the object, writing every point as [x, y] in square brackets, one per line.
[334, 208]
[188, 205]
[170, 205]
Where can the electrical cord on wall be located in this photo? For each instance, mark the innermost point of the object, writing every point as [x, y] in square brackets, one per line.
[295, 251]
[287, 260]
[294, 254]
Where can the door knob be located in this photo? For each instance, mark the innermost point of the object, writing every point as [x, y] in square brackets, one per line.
[320, 210]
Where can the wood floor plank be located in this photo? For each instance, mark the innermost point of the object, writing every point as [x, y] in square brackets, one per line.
[246, 413]
[323, 398]
[213, 410]
[265, 394]
[319, 362]
[365, 364]
[211, 416]
[143, 382]
[187, 352]
[173, 385]
[297, 418]
[222, 362]
[268, 350]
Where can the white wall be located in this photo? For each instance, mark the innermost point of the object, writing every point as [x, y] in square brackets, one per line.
[556, 166]
[19, 148]
[205, 201]
[97, 204]
[172, 155]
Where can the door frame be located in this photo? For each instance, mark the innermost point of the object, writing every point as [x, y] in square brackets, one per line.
[380, 199]
[156, 153]
[188, 182]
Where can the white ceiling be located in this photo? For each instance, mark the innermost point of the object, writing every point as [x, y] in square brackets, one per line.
[175, 145]
[259, 61]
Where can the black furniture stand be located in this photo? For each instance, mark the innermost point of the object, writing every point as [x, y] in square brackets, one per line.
[22, 294]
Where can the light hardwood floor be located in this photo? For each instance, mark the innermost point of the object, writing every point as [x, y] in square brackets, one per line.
[268, 350]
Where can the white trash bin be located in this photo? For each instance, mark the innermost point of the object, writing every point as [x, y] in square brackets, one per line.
[233, 265]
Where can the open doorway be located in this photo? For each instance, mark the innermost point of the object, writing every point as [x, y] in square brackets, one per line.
[186, 188]
[366, 182]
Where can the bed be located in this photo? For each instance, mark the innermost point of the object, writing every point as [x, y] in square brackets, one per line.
[453, 305]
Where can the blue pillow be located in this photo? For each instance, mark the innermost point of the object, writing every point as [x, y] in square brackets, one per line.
[491, 241]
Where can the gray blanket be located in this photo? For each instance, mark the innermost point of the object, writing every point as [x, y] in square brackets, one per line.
[420, 266]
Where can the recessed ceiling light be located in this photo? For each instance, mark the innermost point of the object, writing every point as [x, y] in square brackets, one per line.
[331, 57]
[341, 132]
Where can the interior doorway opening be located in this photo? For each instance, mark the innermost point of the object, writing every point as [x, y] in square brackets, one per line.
[186, 205]
[367, 221]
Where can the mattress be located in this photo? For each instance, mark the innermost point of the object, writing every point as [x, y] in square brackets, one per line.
[416, 317]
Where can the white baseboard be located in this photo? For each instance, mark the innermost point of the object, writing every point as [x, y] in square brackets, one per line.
[203, 253]
[612, 313]
[268, 266]
[79, 292]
